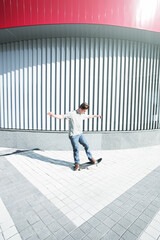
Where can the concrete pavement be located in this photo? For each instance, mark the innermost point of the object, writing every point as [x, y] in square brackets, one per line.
[41, 197]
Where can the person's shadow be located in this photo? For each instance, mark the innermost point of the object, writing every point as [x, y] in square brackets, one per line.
[33, 155]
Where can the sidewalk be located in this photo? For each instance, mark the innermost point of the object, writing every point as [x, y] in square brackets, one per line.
[41, 197]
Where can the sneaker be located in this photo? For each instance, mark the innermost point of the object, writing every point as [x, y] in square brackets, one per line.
[92, 160]
[76, 167]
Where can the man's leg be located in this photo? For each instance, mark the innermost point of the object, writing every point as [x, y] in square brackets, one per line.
[84, 143]
[75, 144]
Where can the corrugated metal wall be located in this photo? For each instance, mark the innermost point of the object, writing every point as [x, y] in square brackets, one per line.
[119, 79]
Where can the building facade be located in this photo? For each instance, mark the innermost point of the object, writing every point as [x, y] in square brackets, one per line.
[56, 54]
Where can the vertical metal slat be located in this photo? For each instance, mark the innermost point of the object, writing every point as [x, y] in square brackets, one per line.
[119, 79]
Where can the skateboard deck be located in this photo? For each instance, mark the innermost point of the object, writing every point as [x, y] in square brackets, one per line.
[87, 165]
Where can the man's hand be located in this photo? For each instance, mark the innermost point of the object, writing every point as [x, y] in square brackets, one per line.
[93, 116]
[50, 114]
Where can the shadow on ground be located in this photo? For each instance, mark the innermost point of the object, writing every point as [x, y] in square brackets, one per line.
[33, 155]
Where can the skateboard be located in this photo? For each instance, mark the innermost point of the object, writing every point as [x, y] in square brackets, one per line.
[87, 165]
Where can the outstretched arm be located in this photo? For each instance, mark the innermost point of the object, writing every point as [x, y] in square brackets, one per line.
[93, 116]
[56, 116]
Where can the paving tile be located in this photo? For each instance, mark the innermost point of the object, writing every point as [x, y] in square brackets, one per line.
[28, 232]
[127, 207]
[132, 202]
[145, 218]
[129, 236]
[21, 224]
[130, 217]
[125, 222]
[7, 224]
[69, 227]
[111, 235]
[146, 236]
[33, 219]
[109, 222]
[135, 229]
[8, 233]
[94, 234]
[51, 237]
[68, 238]
[61, 234]
[63, 220]
[102, 228]
[86, 227]
[48, 220]
[156, 203]
[140, 207]
[38, 208]
[135, 212]
[149, 213]
[44, 233]
[145, 202]
[86, 215]
[17, 237]
[117, 228]
[101, 216]
[114, 206]
[42, 214]
[94, 221]
[140, 223]
[56, 214]
[107, 211]
[122, 198]
[155, 224]
[118, 203]
[153, 208]
[86, 238]
[54, 227]
[38, 226]
[121, 212]
[115, 217]
[153, 232]
[77, 234]
[34, 237]
[78, 221]
[126, 195]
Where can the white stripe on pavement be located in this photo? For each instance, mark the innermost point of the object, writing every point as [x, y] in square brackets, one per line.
[7, 227]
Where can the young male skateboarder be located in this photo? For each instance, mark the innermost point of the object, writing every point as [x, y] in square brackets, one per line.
[76, 136]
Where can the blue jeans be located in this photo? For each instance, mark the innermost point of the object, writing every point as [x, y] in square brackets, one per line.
[75, 140]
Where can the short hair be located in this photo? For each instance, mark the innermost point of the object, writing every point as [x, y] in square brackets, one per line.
[84, 105]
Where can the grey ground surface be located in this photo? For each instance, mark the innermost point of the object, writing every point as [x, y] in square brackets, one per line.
[43, 198]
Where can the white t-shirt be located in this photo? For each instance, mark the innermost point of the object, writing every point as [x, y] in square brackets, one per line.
[75, 122]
